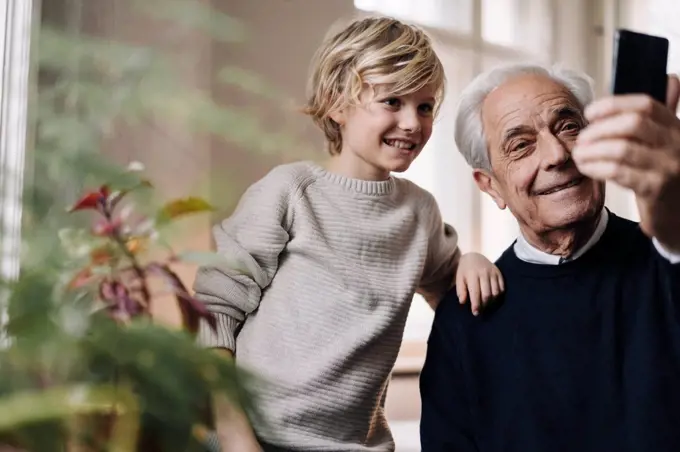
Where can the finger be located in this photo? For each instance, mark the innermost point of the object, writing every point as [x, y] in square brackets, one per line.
[626, 125]
[623, 152]
[501, 282]
[485, 289]
[629, 103]
[474, 294]
[495, 287]
[644, 183]
[673, 93]
[461, 291]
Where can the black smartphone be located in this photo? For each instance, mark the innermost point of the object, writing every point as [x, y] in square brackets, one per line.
[640, 62]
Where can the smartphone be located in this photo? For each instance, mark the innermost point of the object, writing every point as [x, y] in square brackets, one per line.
[640, 62]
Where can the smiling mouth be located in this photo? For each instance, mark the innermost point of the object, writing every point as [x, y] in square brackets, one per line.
[558, 188]
[400, 144]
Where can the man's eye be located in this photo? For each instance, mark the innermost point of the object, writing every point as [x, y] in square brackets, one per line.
[570, 126]
[521, 146]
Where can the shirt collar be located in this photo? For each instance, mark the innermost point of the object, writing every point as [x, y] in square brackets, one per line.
[528, 253]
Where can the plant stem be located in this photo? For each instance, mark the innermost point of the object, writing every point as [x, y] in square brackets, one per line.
[136, 267]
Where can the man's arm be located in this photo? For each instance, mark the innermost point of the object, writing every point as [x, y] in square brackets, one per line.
[446, 421]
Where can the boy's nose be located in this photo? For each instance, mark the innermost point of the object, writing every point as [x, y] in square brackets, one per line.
[409, 121]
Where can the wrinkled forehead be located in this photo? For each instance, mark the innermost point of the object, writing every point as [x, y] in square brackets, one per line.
[528, 101]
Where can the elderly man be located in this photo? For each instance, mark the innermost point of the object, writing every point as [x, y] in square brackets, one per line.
[583, 352]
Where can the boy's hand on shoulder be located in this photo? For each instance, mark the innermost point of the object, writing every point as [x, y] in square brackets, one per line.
[478, 281]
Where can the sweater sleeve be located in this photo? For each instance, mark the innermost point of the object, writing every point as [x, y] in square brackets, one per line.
[443, 254]
[253, 237]
[446, 419]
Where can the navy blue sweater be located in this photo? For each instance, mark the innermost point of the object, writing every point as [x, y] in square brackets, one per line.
[580, 357]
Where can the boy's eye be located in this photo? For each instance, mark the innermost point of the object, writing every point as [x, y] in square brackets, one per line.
[426, 108]
[392, 102]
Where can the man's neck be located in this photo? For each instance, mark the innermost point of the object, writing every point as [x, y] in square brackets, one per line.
[566, 241]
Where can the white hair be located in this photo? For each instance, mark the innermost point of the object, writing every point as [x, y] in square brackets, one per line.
[469, 134]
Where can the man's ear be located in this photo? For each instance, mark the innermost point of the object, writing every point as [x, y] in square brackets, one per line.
[487, 183]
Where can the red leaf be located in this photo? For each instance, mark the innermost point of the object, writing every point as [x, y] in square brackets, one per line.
[82, 278]
[91, 200]
[101, 255]
[121, 305]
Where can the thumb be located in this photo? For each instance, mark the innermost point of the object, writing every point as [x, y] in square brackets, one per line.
[673, 93]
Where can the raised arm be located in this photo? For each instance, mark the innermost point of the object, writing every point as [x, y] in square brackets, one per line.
[635, 141]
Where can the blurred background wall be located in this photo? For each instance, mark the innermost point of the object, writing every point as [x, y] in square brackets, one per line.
[279, 39]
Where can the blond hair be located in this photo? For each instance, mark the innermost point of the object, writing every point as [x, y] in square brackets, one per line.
[370, 51]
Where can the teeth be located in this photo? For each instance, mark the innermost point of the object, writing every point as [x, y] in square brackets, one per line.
[400, 144]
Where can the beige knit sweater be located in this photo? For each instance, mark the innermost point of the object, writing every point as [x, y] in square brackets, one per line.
[334, 265]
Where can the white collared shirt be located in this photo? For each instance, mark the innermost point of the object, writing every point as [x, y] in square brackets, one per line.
[529, 253]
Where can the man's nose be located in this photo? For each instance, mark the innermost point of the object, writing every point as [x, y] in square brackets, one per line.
[555, 152]
[409, 120]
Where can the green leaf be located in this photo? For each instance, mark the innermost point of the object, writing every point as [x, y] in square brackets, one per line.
[182, 207]
[30, 407]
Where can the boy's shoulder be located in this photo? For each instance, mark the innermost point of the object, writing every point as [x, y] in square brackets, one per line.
[288, 177]
[292, 171]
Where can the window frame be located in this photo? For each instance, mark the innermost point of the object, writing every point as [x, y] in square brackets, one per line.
[16, 37]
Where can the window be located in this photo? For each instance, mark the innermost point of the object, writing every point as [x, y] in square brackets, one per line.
[448, 14]
[657, 17]
[15, 32]
[472, 36]
[504, 22]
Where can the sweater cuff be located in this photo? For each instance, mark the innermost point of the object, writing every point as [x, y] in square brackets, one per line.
[224, 337]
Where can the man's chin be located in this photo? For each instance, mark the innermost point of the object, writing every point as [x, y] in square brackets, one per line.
[566, 215]
[573, 205]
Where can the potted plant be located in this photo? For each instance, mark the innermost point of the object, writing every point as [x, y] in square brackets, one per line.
[84, 366]
[87, 368]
